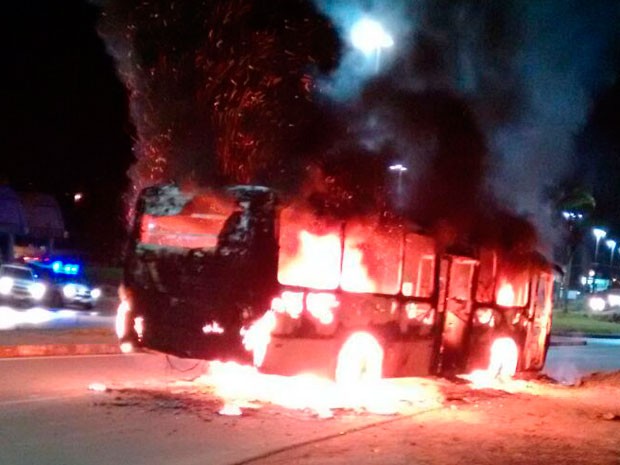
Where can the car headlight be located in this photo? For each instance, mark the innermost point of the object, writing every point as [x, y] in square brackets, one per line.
[37, 290]
[69, 290]
[613, 300]
[596, 304]
[6, 284]
[95, 293]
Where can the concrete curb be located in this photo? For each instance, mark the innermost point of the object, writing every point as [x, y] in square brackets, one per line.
[568, 342]
[40, 350]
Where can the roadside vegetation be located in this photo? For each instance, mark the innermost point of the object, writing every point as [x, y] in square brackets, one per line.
[584, 322]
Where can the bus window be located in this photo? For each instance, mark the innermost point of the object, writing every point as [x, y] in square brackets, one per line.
[460, 280]
[419, 267]
[310, 250]
[512, 289]
[486, 276]
[372, 257]
[196, 225]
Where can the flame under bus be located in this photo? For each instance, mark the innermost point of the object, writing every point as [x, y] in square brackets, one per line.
[233, 275]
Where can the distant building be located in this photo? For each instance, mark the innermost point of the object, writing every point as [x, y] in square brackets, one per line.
[32, 219]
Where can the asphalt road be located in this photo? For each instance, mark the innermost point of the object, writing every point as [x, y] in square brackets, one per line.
[568, 363]
[48, 415]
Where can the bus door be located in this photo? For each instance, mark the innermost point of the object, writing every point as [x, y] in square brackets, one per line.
[457, 305]
[539, 315]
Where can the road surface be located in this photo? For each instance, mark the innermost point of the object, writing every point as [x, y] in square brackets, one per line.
[568, 363]
[48, 415]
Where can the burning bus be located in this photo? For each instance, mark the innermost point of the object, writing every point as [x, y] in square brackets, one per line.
[240, 274]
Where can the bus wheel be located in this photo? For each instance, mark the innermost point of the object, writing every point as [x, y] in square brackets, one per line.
[360, 359]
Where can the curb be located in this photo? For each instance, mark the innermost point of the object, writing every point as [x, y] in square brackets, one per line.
[41, 350]
[568, 343]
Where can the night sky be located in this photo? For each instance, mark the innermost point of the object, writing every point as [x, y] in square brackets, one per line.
[535, 87]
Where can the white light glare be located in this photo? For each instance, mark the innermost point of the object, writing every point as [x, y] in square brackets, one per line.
[95, 293]
[37, 290]
[400, 168]
[611, 244]
[599, 233]
[596, 304]
[6, 284]
[69, 290]
[368, 36]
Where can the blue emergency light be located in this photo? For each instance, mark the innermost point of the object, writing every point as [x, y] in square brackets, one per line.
[65, 268]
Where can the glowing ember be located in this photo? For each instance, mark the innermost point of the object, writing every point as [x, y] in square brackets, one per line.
[506, 295]
[97, 387]
[230, 411]
[257, 337]
[359, 360]
[213, 328]
[126, 347]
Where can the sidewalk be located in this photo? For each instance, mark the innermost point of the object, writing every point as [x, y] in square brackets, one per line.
[41, 342]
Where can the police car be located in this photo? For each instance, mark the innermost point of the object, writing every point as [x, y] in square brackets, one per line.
[20, 285]
[66, 284]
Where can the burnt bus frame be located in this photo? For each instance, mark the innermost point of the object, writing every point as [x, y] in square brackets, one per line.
[437, 301]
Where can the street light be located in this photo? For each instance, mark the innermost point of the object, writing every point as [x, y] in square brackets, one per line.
[612, 245]
[400, 169]
[599, 234]
[369, 36]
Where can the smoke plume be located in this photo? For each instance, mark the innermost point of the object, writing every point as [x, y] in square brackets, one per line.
[479, 100]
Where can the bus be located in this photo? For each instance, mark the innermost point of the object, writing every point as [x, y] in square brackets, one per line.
[240, 274]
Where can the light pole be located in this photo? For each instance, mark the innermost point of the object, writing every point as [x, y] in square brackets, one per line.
[400, 169]
[369, 36]
[599, 234]
[612, 246]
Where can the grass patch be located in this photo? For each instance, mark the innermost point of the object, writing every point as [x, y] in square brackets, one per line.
[582, 323]
[104, 274]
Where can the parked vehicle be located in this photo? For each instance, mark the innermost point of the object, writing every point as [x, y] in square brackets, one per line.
[20, 285]
[66, 284]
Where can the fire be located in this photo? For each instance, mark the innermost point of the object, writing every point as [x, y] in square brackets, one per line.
[243, 387]
[359, 359]
[502, 365]
[257, 337]
[121, 318]
[354, 274]
[316, 263]
[504, 357]
[320, 306]
[506, 295]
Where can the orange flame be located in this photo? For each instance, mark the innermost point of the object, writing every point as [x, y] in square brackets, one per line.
[316, 263]
[121, 318]
[504, 357]
[257, 337]
[242, 387]
[506, 295]
[502, 365]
